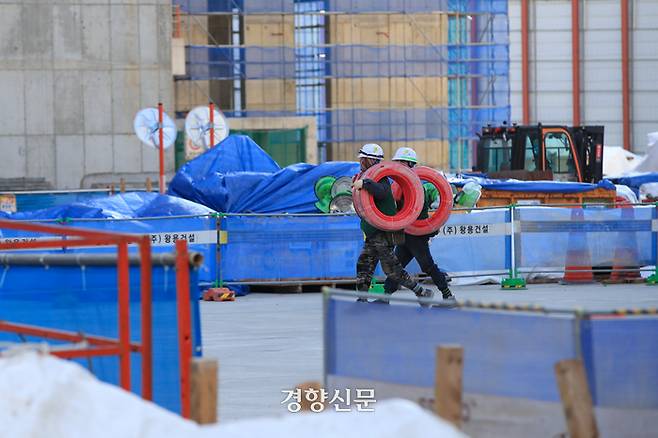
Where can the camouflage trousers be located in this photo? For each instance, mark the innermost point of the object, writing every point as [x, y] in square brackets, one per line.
[378, 248]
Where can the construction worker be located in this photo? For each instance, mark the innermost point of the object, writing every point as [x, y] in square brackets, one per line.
[418, 246]
[379, 244]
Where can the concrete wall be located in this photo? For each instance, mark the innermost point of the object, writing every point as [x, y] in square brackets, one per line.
[601, 98]
[72, 76]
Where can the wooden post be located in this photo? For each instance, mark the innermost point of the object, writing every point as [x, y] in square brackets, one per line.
[576, 399]
[203, 391]
[149, 184]
[304, 402]
[448, 383]
[122, 185]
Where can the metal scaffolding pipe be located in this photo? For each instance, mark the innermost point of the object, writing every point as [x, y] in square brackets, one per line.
[625, 76]
[575, 60]
[525, 60]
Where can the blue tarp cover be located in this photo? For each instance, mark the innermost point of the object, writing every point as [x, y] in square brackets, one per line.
[533, 186]
[635, 181]
[122, 206]
[238, 176]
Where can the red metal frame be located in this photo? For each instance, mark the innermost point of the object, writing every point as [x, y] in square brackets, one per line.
[575, 60]
[101, 346]
[147, 315]
[625, 76]
[98, 346]
[161, 148]
[184, 322]
[177, 22]
[525, 59]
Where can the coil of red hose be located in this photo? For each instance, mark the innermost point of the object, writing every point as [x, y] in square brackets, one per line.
[406, 178]
[436, 220]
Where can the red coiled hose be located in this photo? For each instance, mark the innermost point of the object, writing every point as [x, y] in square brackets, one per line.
[364, 203]
[436, 220]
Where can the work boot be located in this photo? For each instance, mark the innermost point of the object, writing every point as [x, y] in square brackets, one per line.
[424, 294]
[448, 298]
[447, 276]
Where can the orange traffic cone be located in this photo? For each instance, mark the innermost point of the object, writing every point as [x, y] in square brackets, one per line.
[578, 265]
[626, 253]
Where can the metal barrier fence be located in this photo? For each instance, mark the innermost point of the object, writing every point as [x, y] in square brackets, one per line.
[503, 243]
[506, 244]
[509, 358]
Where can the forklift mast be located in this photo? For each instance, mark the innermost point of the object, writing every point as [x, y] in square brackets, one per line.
[541, 152]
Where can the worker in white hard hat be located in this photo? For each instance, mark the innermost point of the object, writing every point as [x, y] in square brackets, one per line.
[379, 244]
[417, 247]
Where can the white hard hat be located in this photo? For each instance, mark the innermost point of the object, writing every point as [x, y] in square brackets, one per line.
[405, 154]
[371, 150]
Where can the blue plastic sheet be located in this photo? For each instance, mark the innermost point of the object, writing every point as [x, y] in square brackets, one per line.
[122, 206]
[534, 186]
[41, 200]
[84, 299]
[635, 181]
[237, 176]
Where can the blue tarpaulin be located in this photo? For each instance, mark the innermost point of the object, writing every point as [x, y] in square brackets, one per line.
[635, 181]
[237, 176]
[533, 186]
[122, 206]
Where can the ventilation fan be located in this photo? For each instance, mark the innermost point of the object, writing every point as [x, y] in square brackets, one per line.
[146, 127]
[341, 185]
[198, 124]
[342, 203]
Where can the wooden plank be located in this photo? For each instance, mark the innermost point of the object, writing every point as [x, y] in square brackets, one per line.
[269, 30]
[576, 399]
[448, 383]
[393, 92]
[270, 94]
[203, 403]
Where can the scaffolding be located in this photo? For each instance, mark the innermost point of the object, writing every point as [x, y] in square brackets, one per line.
[424, 73]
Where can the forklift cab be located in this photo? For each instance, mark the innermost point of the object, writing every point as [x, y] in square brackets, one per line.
[541, 153]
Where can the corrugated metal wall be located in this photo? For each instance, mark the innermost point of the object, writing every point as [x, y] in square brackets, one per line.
[601, 77]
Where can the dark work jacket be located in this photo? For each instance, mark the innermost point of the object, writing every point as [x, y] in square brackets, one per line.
[381, 192]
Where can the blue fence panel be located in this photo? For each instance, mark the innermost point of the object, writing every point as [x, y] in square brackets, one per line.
[584, 237]
[290, 247]
[621, 358]
[473, 242]
[267, 248]
[84, 299]
[200, 233]
[505, 354]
